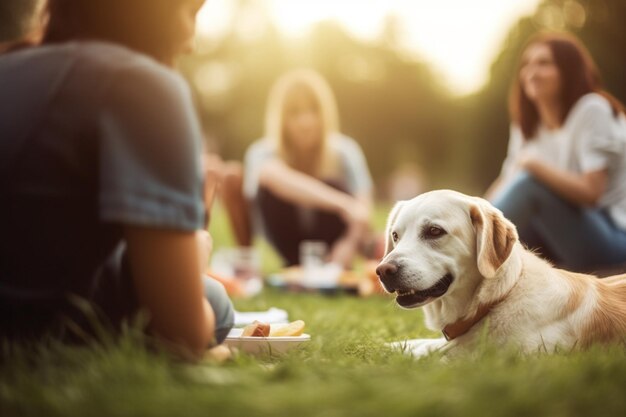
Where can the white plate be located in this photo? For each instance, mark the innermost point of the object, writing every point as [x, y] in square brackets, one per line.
[260, 345]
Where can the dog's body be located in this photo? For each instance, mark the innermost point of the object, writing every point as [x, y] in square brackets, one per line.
[460, 259]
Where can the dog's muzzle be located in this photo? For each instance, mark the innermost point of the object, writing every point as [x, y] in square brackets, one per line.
[410, 297]
[388, 275]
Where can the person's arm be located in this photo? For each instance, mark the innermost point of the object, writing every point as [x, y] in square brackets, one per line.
[166, 273]
[307, 191]
[347, 246]
[509, 165]
[579, 189]
[358, 179]
[151, 183]
[592, 126]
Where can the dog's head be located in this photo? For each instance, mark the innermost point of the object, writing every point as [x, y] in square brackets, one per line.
[439, 241]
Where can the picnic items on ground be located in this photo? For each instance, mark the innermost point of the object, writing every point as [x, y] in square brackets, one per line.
[280, 339]
[242, 267]
[295, 328]
[258, 329]
[363, 282]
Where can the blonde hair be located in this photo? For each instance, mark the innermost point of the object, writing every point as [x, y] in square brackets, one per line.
[283, 89]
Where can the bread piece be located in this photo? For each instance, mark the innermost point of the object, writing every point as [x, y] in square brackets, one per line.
[292, 329]
[256, 329]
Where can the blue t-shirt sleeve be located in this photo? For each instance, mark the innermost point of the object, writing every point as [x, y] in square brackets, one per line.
[149, 151]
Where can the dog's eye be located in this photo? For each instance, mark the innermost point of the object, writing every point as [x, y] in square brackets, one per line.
[433, 232]
[394, 236]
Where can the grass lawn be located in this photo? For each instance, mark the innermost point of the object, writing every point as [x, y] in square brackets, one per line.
[344, 371]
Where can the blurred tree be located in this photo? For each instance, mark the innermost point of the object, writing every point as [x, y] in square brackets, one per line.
[598, 23]
[389, 101]
[392, 104]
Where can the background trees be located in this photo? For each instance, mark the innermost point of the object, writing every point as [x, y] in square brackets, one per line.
[390, 101]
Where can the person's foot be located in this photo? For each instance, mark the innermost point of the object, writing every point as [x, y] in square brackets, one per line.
[219, 354]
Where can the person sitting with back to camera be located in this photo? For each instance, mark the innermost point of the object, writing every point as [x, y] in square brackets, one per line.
[101, 181]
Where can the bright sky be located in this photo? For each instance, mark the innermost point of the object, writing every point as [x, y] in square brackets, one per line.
[458, 37]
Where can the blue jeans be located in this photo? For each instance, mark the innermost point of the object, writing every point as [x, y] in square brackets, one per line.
[576, 238]
[222, 307]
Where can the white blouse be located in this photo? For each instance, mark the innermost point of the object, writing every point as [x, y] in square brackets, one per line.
[591, 139]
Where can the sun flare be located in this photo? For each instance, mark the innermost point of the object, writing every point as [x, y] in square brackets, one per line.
[458, 37]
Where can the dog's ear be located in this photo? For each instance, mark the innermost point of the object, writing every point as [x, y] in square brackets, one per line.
[495, 237]
[393, 215]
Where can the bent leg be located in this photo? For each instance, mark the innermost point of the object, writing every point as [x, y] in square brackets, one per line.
[281, 225]
[231, 193]
[222, 307]
[579, 238]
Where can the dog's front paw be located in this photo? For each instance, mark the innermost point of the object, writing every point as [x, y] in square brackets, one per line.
[418, 347]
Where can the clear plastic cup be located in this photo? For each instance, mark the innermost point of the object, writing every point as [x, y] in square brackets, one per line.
[313, 253]
[242, 263]
[316, 272]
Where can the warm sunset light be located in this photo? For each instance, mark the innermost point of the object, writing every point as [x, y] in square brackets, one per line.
[458, 37]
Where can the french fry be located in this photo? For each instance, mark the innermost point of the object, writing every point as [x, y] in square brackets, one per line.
[292, 329]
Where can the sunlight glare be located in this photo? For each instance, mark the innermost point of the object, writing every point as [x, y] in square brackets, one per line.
[459, 38]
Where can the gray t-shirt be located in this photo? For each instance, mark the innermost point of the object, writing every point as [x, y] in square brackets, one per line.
[93, 137]
[591, 139]
[353, 173]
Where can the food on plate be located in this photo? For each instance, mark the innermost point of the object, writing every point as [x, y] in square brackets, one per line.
[256, 329]
[295, 328]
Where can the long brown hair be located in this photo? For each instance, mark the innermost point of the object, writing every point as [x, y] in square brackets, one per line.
[579, 76]
[142, 25]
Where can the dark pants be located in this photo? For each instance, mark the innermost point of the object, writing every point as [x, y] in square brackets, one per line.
[285, 230]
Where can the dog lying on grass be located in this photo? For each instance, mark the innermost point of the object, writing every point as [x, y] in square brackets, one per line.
[461, 260]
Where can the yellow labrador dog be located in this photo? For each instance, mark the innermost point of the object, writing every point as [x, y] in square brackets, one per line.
[461, 260]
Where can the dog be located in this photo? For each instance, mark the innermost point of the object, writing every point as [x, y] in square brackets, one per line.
[461, 260]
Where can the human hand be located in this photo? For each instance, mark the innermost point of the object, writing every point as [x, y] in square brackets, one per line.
[205, 247]
[356, 215]
[528, 161]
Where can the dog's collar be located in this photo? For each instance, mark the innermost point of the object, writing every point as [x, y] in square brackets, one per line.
[460, 327]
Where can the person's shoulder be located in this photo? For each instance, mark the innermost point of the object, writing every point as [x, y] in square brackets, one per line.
[263, 144]
[344, 144]
[260, 147]
[118, 61]
[591, 105]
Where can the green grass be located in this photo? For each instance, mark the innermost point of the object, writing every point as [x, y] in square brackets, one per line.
[344, 371]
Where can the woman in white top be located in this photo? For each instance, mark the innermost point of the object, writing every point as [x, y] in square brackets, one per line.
[305, 180]
[563, 182]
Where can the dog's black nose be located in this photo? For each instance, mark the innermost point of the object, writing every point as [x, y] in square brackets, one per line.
[386, 271]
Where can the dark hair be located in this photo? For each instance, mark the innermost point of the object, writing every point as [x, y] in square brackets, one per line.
[143, 25]
[579, 76]
[15, 18]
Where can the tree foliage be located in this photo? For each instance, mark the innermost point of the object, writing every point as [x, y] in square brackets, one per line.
[390, 101]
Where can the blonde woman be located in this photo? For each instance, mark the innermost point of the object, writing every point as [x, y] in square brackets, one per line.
[304, 180]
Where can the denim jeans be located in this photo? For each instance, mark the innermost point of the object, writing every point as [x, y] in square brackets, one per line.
[576, 238]
[222, 307]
